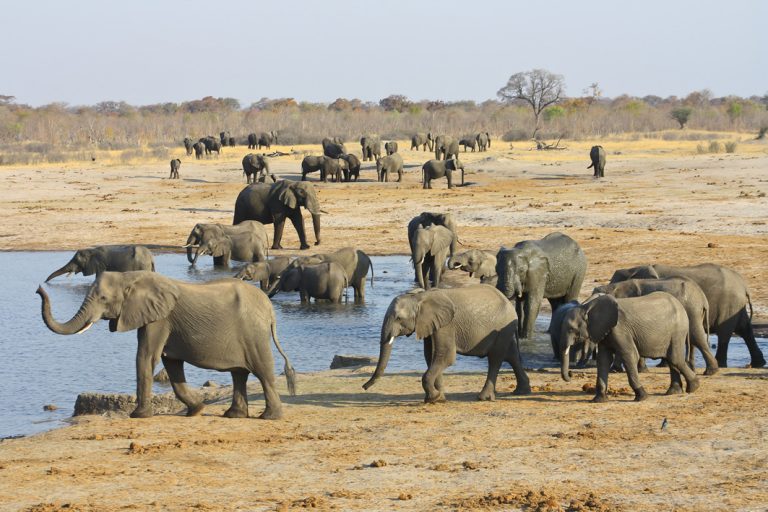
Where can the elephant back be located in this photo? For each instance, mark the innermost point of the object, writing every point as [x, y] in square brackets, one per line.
[252, 204]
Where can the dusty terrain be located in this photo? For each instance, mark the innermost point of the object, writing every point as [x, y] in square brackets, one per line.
[340, 447]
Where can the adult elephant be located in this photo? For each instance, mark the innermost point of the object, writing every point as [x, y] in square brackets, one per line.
[224, 138]
[552, 268]
[199, 148]
[327, 167]
[728, 297]
[211, 144]
[222, 325]
[242, 247]
[102, 258]
[390, 147]
[424, 219]
[597, 155]
[276, 202]
[266, 139]
[429, 249]
[424, 140]
[388, 165]
[202, 235]
[483, 140]
[450, 321]
[324, 281]
[333, 149]
[256, 168]
[266, 272]
[445, 146]
[253, 140]
[188, 145]
[479, 264]
[371, 147]
[352, 168]
[232, 142]
[468, 142]
[435, 169]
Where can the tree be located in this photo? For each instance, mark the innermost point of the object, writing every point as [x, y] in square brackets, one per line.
[734, 110]
[681, 115]
[538, 88]
[395, 102]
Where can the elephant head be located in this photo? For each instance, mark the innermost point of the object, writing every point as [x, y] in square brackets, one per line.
[129, 300]
[254, 272]
[417, 311]
[520, 269]
[294, 194]
[87, 261]
[435, 240]
[456, 165]
[441, 219]
[290, 278]
[217, 247]
[468, 261]
[588, 323]
[194, 239]
[642, 272]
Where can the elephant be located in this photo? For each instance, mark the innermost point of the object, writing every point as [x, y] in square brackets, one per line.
[424, 219]
[371, 147]
[450, 322]
[435, 169]
[483, 140]
[424, 140]
[246, 247]
[468, 142]
[480, 264]
[333, 149]
[552, 268]
[253, 140]
[429, 249]
[327, 167]
[258, 167]
[654, 325]
[390, 164]
[231, 142]
[352, 167]
[583, 349]
[199, 148]
[390, 147]
[266, 139]
[211, 144]
[222, 325]
[728, 297]
[188, 145]
[325, 281]
[256, 241]
[690, 295]
[102, 258]
[445, 147]
[175, 164]
[597, 155]
[224, 137]
[276, 202]
[266, 272]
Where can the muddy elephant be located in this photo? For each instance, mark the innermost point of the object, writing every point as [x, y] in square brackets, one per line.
[429, 249]
[483, 140]
[435, 169]
[597, 155]
[102, 258]
[333, 149]
[390, 147]
[552, 268]
[450, 322]
[266, 139]
[222, 325]
[424, 140]
[388, 165]
[479, 264]
[276, 202]
[266, 272]
[323, 281]
[654, 325]
[468, 142]
[371, 147]
[328, 167]
[199, 148]
[256, 168]
[175, 165]
[188, 145]
[446, 147]
[424, 219]
[728, 297]
[352, 168]
[251, 242]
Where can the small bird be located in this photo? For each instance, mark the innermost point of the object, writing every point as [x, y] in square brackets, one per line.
[664, 423]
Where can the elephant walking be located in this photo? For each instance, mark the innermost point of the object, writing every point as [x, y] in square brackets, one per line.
[450, 322]
[597, 155]
[199, 148]
[222, 325]
[371, 147]
[424, 219]
[424, 140]
[256, 168]
[435, 169]
[188, 145]
[468, 142]
[387, 165]
[246, 241]
[483, 140]
[390, 147]
[103, 258]
[175, 164]
[266, 272]
[429, 249]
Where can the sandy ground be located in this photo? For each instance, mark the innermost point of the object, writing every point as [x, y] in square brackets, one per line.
[660, 202]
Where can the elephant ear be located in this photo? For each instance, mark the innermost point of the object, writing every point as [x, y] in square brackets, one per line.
[441, 240]
[218, 247]
[538, 268]
[147, 297]
[291, 278]
[95, 263]
[287, 196]
[436, 310]
[602, 315]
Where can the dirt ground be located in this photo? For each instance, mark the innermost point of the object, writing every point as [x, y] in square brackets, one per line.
[339, 447]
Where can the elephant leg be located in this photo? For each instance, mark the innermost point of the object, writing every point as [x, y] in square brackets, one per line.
[699, 340]
[175, 369]
[359, 288]
[724, 333]
[514, 359]
[531, 306]
[449, 177]
[399, 175]
[151, 339]
[744, 329]
[617, 366]
[273, 409]
[631, 357]
[443, 356]
[675, 381]
[520, 316]
[298, 223]
[428, 359]
[554, 303]
[279, 221]
[604, 359]
[239, 407]
[495, 358]
[642, 367]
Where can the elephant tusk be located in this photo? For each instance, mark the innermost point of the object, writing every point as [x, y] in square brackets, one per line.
[391, 340]
[88, 326]
[567, 350]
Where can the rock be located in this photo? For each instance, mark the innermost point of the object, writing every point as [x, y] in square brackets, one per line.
[347, 361]
[161, 376]
[712, 245]
[99, 403]
[50, 407]
[210, 384]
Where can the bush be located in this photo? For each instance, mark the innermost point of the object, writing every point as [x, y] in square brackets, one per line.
[160, 153]
[516, 134]
[715, 147]
[730, 147]
[761, 133]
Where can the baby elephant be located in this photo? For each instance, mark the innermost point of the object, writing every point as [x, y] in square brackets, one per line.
[326, 281]
[175, 164]
[115, 258]
[597, 155]
[266, 272]
[480, 264]
[441, 168]
[654, 325]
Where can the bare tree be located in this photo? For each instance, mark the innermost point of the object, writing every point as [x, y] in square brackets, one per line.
[538, 87]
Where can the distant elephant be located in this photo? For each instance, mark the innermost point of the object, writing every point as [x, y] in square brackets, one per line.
[224, 138]
[479, 264]
[102, 258]
[483, 140]
[728, 297]
[211, 144]
[249, 242]
[552, 268]
[597, 155]
[333, 149]
[390, 147]
[468, 142]
[188, 145]
[424, 140]
[266, 272]
[387, 165]
[232, 142]
[256, 168]
[371, 147]
[690, 295]
[328, 167]
[435, 169]
[352, 168]
[445, 147]
[325, 281]
[253, 140]
[199, 148]
[429, 249]
[653, 325]
[473, 320]
[276, 202]
[222, 325]
[583, 349]
[267, 139]
[424, 219]
[175, 164]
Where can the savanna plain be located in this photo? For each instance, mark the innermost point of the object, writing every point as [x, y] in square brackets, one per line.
[342, 448]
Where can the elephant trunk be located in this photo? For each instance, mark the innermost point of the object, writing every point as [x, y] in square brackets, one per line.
[81, 322]
[565, 363]
[385, 350]
[191, 241]
[66, 269]
[197, 254]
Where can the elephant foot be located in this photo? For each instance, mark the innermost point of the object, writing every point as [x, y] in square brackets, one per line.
[304, 247]
[487, 396]
[692, 385]
[270, 413]
[142, 412]
[195, 410]
[437, 398]
[640, 394]
[234, 412]
[711, 370]
[277, 246]
[760, 363]
[317, 243]
[618, 369]
[599, 399]
[522, 390]
[674, 389]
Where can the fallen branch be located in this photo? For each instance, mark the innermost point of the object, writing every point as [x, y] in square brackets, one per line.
[543, 146]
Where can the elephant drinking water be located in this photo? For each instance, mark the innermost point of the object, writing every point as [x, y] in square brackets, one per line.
[116, 258]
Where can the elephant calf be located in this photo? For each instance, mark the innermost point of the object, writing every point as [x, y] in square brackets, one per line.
[175, 164]
[326, 281]
[102, 258]
[480, 264]
[266, 272]
[352, 167]
[597, 155]
[435, 169]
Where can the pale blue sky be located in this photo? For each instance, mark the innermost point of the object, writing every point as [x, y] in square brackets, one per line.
[150, 51]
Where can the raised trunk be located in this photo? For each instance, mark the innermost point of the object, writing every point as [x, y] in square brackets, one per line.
[565, 364]
[385, 350]
[66, 269]
[82, 320]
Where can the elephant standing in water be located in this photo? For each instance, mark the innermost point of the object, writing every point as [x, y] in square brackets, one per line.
[175, 165]
[597, 155]
[422, 139]
[424, 219]
[222, 325]
[429, 248]
[266, 272]
[324, 281]
[276, 202]
[258, 167]
[248, 241]
[102, 258]
[474, 320]
[479, 264]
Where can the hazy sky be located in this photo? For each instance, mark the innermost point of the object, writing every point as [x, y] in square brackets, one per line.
[151, 51]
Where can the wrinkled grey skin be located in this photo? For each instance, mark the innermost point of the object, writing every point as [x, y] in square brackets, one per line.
[424, 219]
[102, 258]
[333, 149]
[424, 140]
[597, 155]
[326, 165]
[582, 350]
[240, 247]
[450, 322]
[435, 169]
[653, 325]
[429, 249]
[690, 296]
[387, 165]
[483, 140]
[352, 168]
[371, 147]
[468, 142]
[479, 264]
[175, 164]
[256, 168]
[552, 268]
[222, 325]
[321, 281]
[266, 273]
[250, 236]
[276, 202]
[728, 297]
[446, 147]
[224, 138]
[188, 145]
[390, 147]
[199, 148]
[266, 140]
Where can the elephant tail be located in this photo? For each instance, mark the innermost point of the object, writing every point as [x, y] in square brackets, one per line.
[290, 373]
[370, 264]
[749, 301]
[591, 165]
